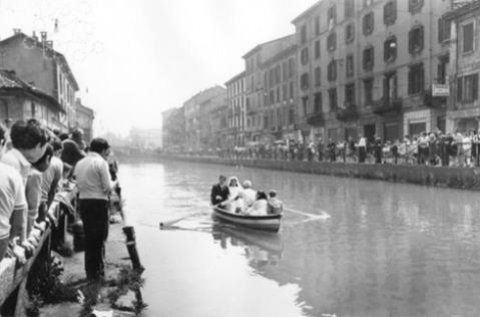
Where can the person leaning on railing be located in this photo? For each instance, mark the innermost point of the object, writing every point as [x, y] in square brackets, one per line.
[12, 200]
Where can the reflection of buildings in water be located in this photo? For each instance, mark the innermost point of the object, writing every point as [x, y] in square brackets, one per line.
[261, 248]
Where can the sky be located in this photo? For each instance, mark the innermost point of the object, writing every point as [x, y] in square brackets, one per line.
[134, 59]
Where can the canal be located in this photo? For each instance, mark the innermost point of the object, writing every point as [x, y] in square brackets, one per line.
[386, 250]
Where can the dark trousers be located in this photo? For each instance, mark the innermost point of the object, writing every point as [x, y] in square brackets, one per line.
[94, 214]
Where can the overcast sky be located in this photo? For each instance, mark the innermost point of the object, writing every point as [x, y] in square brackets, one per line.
[134, 59]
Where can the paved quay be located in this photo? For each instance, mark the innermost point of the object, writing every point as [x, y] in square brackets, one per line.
[74, 274]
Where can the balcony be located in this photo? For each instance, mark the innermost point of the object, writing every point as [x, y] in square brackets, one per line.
[387, 106]
[433, 102]
[315, 119]
[346, 114]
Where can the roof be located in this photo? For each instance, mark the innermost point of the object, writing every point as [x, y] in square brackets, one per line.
[306, 12]
[259, 46]
[10, 82]
[59, 58]
[235, 78]
[462, 9]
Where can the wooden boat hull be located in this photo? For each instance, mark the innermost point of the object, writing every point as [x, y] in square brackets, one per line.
[266, 223]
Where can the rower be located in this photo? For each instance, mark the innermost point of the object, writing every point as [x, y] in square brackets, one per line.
[275, 205]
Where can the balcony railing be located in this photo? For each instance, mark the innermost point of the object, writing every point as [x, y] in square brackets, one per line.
[348, 113]
[387, 106]
[433, 102]
[315, 119]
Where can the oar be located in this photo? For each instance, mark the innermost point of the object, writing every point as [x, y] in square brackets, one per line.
[169, 223]
[323, 215]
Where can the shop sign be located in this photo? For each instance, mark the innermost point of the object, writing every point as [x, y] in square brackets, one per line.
[440, 90]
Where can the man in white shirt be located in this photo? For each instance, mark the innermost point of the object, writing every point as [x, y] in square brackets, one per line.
[29, 141]
[12, 199]
[94, 185]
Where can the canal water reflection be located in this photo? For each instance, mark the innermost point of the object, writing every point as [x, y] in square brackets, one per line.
[387, 249]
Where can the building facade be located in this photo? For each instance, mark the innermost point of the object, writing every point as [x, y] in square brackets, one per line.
[22, 101]
[173, 130]
[464, 104]
[236, 111]
[198, 128]
[368, 67]
[36, 62]
[84, 119]
[256, 92]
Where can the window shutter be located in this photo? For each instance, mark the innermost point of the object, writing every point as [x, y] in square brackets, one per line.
[422, 79]
[410, 41]
[475, 87]
[410, 84]
[459, 89]
[395, 89]
[420, 34]
[385, 88]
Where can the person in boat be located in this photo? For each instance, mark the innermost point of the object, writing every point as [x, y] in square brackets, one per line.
[275, 205]
[249, 195]
[219, 192]
[259, 207]
[234, 202]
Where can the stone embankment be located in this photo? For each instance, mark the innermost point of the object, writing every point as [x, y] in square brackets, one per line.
[452, 177]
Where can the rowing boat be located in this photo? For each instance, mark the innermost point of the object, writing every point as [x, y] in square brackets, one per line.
[267, 223]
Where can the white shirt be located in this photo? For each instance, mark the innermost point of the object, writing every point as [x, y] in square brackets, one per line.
[248, 195]
[12, 197]
[93, 178]
[16, 160]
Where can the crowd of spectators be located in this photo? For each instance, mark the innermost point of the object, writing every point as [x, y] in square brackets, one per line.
[427, 148]
[34, 162]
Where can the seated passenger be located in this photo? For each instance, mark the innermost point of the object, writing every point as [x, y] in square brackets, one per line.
[219, 191]
[275, 205]
[259, 207]
[234, 203]
[249, 194]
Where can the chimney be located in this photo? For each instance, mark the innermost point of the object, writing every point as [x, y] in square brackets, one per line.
[34, 37]
[16, 31]
[43, 34]
[49, 44]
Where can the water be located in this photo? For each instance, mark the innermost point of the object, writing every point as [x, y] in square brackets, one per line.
[387, 249]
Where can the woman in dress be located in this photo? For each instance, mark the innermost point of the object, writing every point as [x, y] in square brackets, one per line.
[259, 207]
[234, 202]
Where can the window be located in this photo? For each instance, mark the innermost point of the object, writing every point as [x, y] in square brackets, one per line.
[368, 91]
[415, 6]
[332, 42]
[317, 49]
[390, 86]
[415, 39]
[305, 105]
[349, 95]
[332, 17]
[443, 30]
[390, 12]
[317, 26]
[390, 49]
[467, 88]
[368, 23]
[304, 56]
[349, 69]
[304, 81]
[303, 34]
[349, 33]
[3, 59]
[317, 103]
[468, 38]
[332, 71]
[317, 76]
[349, 8]
[332, 99]
[416, 79]
[442, 69]
[368, 58]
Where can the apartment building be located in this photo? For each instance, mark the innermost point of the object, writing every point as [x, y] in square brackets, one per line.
[256, 93]
[236, 111]
[36, 62]
[369, 67]
[464, 104]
